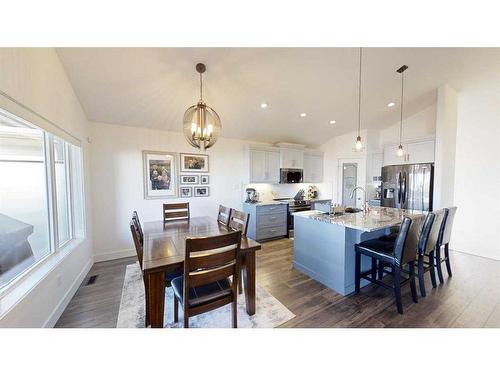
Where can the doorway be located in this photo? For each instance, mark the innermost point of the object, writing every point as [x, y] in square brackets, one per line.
[349, 182]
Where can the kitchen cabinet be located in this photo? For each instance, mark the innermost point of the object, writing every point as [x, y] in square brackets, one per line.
[264, 165]
[266, 220]
[291, 158]
[313, 167]
[377, 160]
[414, 152]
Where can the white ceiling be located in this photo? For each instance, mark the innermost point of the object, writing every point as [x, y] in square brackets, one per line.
[152, 87]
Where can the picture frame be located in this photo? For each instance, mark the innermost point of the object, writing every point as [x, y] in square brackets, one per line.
[160, 174]
[186, 191]
[205, 179]
[201, 191]
[194, 163]
[189, 179]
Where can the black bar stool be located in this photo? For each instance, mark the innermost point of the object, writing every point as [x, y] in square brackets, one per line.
[445, 236]
[394, 255]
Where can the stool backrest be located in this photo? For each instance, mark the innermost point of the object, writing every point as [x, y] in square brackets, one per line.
[399, 244]
[450, 217]
[424, 234]
[175, 211]
[434, 236]
[410, 247]
[224, 215]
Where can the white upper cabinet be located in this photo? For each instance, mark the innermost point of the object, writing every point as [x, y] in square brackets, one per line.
[414, 152]
[376, 165]
[313, 167]
[291, 158]
[264, 165]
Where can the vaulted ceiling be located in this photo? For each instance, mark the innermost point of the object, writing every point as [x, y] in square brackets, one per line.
[152, 87]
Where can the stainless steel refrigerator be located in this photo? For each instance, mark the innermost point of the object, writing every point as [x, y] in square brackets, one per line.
[408, 186]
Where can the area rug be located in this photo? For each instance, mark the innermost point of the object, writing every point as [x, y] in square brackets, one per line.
[269, 311]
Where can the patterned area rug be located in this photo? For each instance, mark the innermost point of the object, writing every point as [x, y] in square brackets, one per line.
[270, 312]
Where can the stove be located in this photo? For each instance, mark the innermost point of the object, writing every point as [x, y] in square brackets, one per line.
[294, 205]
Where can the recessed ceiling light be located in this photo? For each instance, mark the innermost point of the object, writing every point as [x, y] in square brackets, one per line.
[303, 114]
[263, 105]
[333, 122]
[391, 104]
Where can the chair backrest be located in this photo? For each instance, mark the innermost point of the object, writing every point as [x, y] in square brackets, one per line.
[211, 259]
[224, 215]
[135, 219]
[410, 247]
[239, 221]
[399, 244]
[434, 236]
[175, 211]
[137, 243]
[448, 226]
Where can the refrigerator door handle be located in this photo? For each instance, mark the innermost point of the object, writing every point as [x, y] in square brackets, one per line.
[403, 195]
[399, 187]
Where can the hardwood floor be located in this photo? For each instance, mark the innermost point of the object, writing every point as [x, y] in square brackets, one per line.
[471, 298]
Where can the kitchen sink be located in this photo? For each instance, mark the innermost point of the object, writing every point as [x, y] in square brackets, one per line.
[352, 210]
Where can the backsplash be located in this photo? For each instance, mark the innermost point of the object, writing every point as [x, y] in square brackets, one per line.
[269, 192]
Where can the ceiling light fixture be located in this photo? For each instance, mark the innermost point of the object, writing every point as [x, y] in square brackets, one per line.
[391, 104]
[202, 124]
[303, 114]
[401, 71]
[263, 105]
[333, 122]
[359, 144]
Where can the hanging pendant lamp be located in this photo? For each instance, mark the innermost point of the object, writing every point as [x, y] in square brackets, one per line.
[359, 144]
[202, 124]
[401, 71]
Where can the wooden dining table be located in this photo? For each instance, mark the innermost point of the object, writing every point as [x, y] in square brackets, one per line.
[164, 252]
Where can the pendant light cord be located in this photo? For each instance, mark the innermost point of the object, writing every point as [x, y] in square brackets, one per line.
[359, 91]
[401, 117]
[201, 88]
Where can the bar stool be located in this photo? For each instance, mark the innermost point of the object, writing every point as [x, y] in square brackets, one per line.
[395, 255]
[445, 236]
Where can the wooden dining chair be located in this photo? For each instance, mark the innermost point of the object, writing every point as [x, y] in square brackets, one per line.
[175, 211]
[206, 285]
[139, 252]
[135, 219]
[239, 221]
[224, 215]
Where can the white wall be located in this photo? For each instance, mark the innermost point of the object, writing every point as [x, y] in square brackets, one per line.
[35, 78]
[477, 169]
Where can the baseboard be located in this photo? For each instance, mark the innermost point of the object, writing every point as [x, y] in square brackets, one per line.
[61, 306]
[114, 255]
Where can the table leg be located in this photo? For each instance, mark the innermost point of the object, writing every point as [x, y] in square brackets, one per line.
[249, 282]
[156, 300]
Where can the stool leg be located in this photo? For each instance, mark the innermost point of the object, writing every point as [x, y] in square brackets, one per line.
[176, 309]
[421, 282]
[374, 269]
[413, 287]
[357, 272]
[380, 270]
[431, 269]
[438, 265]
[447, 260]
[396, 274]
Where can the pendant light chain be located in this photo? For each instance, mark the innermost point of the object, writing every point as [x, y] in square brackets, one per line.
[359, 91]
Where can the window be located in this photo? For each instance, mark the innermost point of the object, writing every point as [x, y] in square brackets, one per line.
[41, 196]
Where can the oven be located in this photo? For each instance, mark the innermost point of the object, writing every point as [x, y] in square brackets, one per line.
[290, 176]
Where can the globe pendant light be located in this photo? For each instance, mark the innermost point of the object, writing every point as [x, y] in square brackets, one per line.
[202, 124]
[359, 144]
[401, 71]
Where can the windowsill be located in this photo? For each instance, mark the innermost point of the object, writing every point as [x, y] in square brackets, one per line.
[27, 282]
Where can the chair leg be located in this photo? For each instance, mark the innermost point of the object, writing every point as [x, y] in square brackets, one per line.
[186, 320]
[357, 272]
[240, 284]
[447, 260]
[421, 282]
[374, 269]
[396, 274]
[413, 286]
[234, 310]
[438, 265]
[176, 309]
[432, 269]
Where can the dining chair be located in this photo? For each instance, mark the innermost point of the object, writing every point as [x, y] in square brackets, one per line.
[395, 255]
[206, 285]
[135, 219]
[175, 211]
[445, 237]
[224, 215]
[238, 220]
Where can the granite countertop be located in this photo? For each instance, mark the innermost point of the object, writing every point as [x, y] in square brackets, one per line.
[266, 203]
[377, 218]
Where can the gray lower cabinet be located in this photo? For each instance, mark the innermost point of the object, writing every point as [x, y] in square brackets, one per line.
[266, 221]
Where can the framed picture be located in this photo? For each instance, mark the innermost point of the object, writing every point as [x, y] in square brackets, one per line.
[189, 179]
[205, 179]
[201, 191]
[160, 174]
[186, 191]
[194, 163]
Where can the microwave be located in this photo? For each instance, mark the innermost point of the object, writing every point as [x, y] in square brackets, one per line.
[290, 176]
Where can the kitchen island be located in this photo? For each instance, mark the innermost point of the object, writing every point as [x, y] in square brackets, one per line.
[324, 244]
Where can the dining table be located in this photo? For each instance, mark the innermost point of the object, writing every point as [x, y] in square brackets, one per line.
[164, 252]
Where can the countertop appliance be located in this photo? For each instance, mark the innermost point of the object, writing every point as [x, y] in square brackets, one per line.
[294, 205]
[408, 186]
[291, 176]
[251, 195]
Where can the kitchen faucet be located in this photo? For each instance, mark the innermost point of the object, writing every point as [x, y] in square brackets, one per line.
[365, 205]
